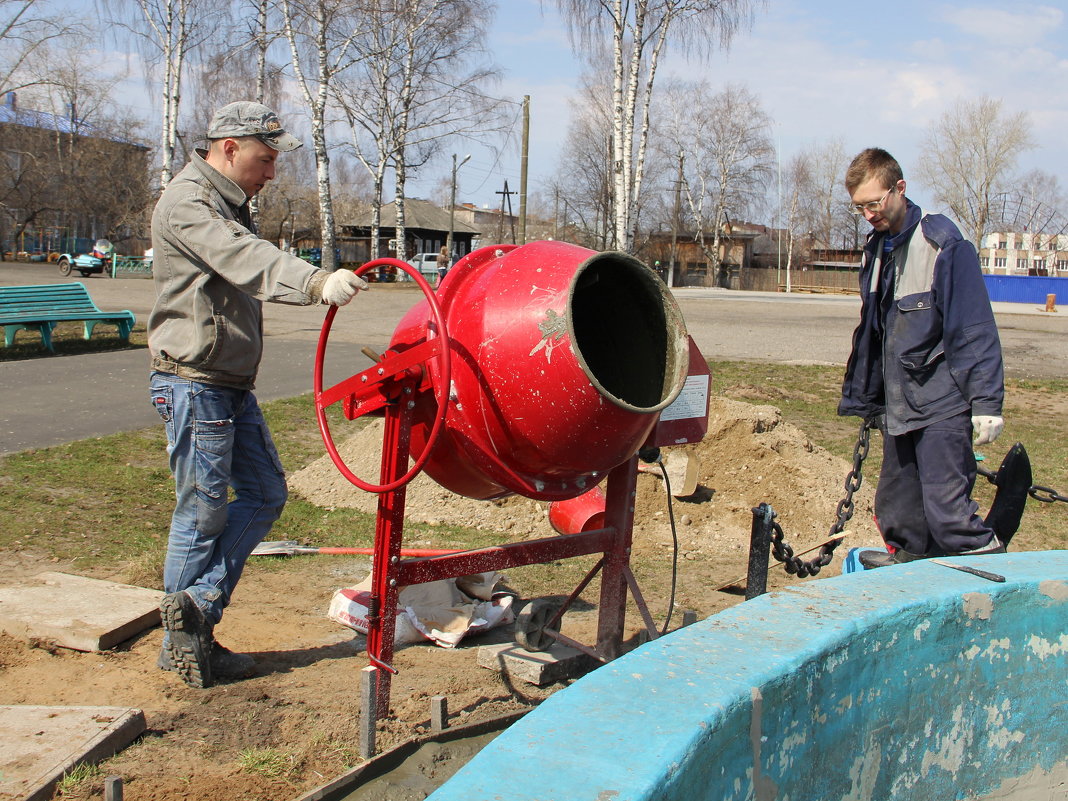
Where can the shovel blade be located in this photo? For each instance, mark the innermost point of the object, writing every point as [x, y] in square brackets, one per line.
[276, 548]
[1013, 481]
[681, 468]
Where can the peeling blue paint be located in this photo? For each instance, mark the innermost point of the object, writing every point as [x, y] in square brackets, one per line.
[902, 683]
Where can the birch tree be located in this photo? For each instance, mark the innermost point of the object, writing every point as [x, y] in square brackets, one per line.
[321, 36]
[830, 222]
[422, 81]
[639, 32]
[969, 156]
[796, 211]
[169, 31]
[239, 67]
[583, 196]
[725, 142]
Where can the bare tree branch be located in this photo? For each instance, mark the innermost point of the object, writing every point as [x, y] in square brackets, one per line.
[969, 155]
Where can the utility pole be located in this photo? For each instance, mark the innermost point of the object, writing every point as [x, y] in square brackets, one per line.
[523, 172]
[675, 226]
[506, 197]
[452, 205]
[556, 213]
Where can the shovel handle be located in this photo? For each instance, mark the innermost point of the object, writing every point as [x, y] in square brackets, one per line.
[405, 552]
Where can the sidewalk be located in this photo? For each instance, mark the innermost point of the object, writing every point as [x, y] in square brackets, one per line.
[715, 293]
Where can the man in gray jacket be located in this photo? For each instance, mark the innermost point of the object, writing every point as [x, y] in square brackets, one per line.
[212, 274]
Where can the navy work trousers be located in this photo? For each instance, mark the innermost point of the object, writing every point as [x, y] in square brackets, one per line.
[923, 502]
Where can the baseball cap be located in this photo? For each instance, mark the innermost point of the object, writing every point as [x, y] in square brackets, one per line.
[245, 118]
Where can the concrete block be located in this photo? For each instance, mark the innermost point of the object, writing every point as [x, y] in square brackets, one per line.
[536, 667]
[76, 612]
[38, 744]
[439, 713]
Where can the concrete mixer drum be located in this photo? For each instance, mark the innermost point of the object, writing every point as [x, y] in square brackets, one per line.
[563, 358]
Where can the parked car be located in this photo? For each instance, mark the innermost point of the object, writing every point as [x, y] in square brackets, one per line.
[427, 264]
[97, 261]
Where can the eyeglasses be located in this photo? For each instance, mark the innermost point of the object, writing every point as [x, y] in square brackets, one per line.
[873, 206]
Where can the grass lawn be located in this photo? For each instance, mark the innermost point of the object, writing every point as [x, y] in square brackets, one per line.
[104, 504]
[67, 339]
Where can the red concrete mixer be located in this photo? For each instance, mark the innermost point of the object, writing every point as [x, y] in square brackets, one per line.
[561, 357]
[539, 370]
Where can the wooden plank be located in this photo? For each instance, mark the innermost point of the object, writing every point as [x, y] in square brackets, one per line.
[76, 612]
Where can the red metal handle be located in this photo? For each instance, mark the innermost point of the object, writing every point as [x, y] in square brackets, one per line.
[393, 369]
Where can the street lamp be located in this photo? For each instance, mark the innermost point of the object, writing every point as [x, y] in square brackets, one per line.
[452, 204]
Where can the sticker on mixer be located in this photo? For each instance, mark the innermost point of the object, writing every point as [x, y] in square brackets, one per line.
[553, 329]
[692, 401]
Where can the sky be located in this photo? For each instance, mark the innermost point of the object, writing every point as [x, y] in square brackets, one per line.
[871, 74]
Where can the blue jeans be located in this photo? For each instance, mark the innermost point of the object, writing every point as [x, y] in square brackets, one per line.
[217, 440]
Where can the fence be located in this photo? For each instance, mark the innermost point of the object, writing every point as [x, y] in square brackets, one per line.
[823, 281]
[1026, 288]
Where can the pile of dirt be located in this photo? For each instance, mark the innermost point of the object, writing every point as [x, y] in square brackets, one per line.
[749, 456]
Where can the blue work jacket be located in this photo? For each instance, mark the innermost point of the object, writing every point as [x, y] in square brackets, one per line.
[937, 352]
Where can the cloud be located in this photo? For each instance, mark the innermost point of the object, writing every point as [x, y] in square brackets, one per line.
[1022, 26]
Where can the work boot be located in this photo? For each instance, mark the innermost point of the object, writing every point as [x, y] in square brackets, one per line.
[994, 546]
[188, 639]
[225, 664]
[873, 559]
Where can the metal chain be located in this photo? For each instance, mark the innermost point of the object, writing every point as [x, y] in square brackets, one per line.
[1045, 494]
[782, 550]
[1036, 491]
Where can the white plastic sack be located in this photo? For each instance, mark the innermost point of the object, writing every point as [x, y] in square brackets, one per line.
[443, 612]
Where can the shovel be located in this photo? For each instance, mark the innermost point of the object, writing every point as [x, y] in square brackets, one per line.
[291, 547]
[681, 469]
[1013, 480]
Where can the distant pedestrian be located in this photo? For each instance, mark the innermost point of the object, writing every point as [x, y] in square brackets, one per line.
[442, 263]
[927, 364]
[205, 333]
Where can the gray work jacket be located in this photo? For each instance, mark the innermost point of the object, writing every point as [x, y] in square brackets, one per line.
[212, 274]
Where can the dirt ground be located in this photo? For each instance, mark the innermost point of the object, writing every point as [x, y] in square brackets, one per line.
[294, 725]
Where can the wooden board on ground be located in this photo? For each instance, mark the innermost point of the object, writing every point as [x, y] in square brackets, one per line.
[38, 744]
[77, 612]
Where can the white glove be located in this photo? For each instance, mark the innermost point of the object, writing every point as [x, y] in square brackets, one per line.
[986, 428]
[341, 286]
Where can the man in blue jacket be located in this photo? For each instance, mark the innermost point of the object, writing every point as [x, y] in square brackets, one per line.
[926, 365]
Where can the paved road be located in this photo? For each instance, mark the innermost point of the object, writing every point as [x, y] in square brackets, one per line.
[52, 400]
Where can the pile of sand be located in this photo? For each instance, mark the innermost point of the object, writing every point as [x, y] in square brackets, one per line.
[749, 456]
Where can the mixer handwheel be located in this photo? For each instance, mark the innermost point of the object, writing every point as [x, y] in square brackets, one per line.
[396, 370]
[531, 623]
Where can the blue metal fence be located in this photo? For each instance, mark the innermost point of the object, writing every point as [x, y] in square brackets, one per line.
[1025, 288]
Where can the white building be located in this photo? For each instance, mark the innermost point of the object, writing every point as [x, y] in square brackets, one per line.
[1010, 253]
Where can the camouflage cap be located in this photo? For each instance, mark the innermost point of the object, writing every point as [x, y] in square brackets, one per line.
[246, 118]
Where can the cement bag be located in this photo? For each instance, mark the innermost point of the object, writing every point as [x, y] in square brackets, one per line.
[443, 612]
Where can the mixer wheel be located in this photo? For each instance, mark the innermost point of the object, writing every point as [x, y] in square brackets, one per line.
[530, 625]
[377, 384]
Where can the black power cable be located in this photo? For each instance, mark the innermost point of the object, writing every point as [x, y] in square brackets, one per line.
[652, 456]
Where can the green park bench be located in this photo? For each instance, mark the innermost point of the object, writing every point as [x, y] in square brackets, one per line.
[40, 307]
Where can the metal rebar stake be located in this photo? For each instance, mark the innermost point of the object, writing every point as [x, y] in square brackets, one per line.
[756, 579]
